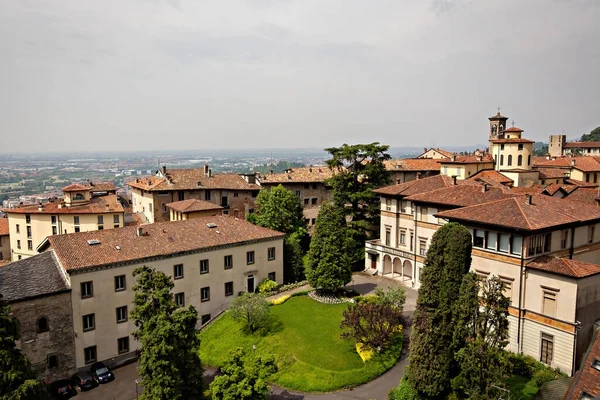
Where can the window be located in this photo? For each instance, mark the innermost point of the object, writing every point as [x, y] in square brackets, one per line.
[503, 242]
[29, 232]
[445, 170]
[87, 289]
[298, 194]
[520, 160]
[228, 262]
[306, 186]
[509, 160]
[18, 244]
[52, 361]
[478, 238]
[235, 194]
[76, 220]
[54, 231]
[520, 147]
[388, 235]
[123, 345]
[205, 294]
[529, 159]
[412, 236]
[204, 266]
[306, 201]
[422, 246]
[27, 218]
[116, 219]
[250, 257]
[403, 206]
[492, 241]
[516, 242]
[271, 276]
[587, 396]
[502, 157]
[314, 185]
[164, 209]
[388, 204]
[564, 235]
[507, 284]
[89, 322]
[89, 354]
[423, 213]
[29, 245]
[18, 229]
[178, 271]
[271, 253]
[547, 348]
[207, 195]
[179, 299]
[313, 201]
[502, 146]
[100, 219]
[313, 221]
[119, 283]
[43, 325]
[205, 318]
[228, 288]
[121, 314]
[596, 364]
[591, 231]
[549, 303]
[403, 237]
[539, 244]
[76, 229]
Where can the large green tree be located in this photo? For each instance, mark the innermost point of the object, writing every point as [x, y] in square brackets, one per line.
[482, 330]
[593, 136]
[169, 364]
[243, 377]
[252, 310]
[358, 170]
[280, 209]
[17, 379]
[432, 346]
[329, 261]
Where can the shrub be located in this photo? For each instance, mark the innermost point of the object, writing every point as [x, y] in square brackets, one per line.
[300, 293]
[404, 391]
[280, 300]
[267, 285]
[530, 390]
[543, 375]
[365, 352]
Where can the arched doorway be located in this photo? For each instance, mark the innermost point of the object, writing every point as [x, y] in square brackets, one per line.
[387, 265]
[397, 267]
[407, 270]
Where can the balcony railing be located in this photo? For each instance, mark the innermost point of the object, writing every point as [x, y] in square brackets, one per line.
[378, 246]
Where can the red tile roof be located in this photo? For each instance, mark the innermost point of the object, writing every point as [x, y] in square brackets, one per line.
[102, 187]
[193, 205]
[587, 379]
[581, 145]
[461, 196]
[581, 183]
[492, 177]
[516, 213]
[3, 226]
[445, 153]
[554, 187]
[192, 179]
[470, 159]
[316, 174]
[158, 239]
[566, 267]
[513, 129]
[585, 195]
[413, 164]
[536, 189]
[75, 187]
[582, 163]
[553, 173]
[421, 186]
[97, 205]
[512, 140]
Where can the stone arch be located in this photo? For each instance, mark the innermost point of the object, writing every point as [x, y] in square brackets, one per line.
[397, 266]
[43, 324]
[407, 269]
[387, 264]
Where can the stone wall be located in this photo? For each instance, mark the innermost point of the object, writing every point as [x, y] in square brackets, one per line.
[57, 340]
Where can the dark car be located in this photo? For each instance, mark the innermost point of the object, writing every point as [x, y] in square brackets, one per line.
[101, 372]
[62, 389]
[84, 381]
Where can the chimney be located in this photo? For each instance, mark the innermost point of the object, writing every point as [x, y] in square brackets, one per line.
[209, 173]
[206, 170]
[271, 171]
[424, 149]
[547, 157]
[164, 169]
[398, 181]
[310, 169]
[453, 158]
[572, 163]
[106, 208]
[453, 180]
[41, 207]
[139, 231]
[418, 175]
[479, 158]
[484, 188]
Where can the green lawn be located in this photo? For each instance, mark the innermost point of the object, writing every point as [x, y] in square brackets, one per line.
[306, 343]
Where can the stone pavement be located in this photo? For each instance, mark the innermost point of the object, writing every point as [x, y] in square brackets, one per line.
[124, 387]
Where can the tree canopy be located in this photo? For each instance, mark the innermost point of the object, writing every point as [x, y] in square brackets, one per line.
[329, 261]
[358, 170]
[593, 136]
[252, 310]
[18, 381]
[169, 364]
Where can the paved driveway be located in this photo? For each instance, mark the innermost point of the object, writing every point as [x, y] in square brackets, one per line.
[124, 387]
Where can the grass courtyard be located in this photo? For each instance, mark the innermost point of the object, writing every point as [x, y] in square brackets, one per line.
[306, 343]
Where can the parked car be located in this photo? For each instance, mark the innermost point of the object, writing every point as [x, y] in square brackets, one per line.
[84, 381]
[101, 373]
[62, 389]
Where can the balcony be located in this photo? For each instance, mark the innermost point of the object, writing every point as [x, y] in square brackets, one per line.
[376, 245]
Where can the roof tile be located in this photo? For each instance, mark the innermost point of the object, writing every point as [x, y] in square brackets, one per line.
[192, 205]
[566, 267]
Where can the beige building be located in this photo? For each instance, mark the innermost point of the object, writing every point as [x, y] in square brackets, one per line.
[582, 169]
[510, 237]
[150, 195]
[464, 167]
[410, 169]
[79, 211]
[4, 240]
[39, 295]
[559, 147]
[192, 208]
[308, 183]
[211, 259]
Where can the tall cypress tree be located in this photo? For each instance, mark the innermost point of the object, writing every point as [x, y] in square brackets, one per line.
[432, 345]
[17, 379]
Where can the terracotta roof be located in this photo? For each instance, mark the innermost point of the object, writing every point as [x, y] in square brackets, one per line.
[318, 173]
[445, 153]
[513, 129]
[31, 277]
[461, 196]
[585, 195]
[535, 189]
[192, 179]
[555, 187]
[581, 183]
[3, 226]
[4, 262]
[515, 213]
[579, 145]
[193, 205]
[470, 159]
[102, 187]
[587, 379]
[553, 162]
[75, 187]
[97, 205]
[421, 186]
[566, 267]
[553, 173]
[413, 164]
[158, 239]
[535, 160]
[582, 163]
[492, 177]
[512, 140]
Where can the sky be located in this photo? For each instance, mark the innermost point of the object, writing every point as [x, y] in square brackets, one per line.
[83, 75]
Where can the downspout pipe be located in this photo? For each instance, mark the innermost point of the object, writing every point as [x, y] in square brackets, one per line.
[574, 367]
[522, 269]
[572, 249]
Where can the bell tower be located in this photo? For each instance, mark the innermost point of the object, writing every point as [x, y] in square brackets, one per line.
[497, 127]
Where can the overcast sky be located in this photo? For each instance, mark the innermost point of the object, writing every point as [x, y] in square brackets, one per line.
[180, 74]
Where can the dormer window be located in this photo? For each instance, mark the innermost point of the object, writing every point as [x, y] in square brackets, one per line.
[78, 197]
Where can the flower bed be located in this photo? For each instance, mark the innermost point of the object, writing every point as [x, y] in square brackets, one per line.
[328, 298]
